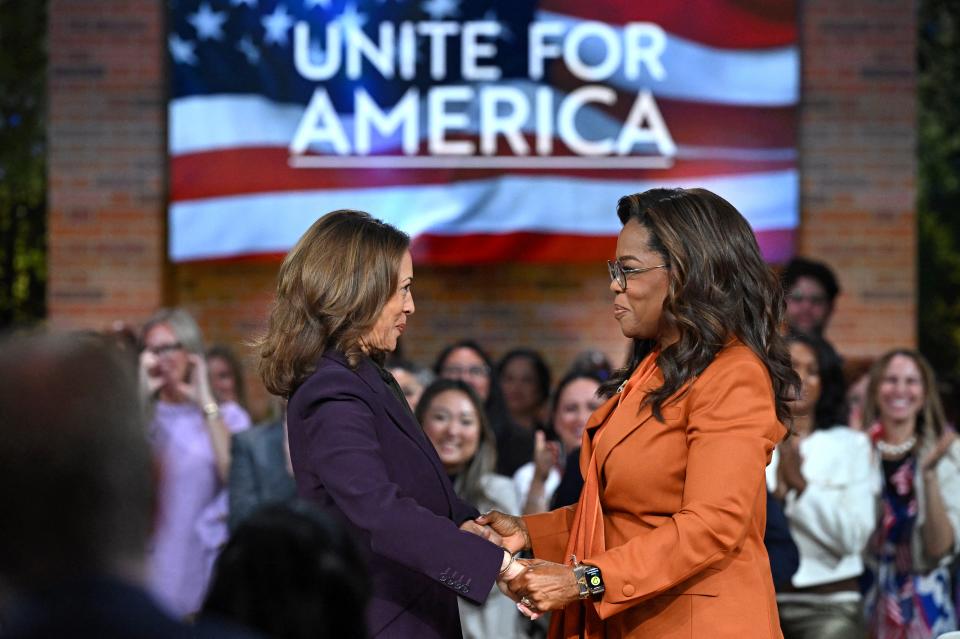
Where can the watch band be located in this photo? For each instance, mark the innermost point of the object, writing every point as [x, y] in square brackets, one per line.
[579, 572]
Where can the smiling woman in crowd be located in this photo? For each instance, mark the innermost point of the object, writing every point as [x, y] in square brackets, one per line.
[452, 416]
[919, 531]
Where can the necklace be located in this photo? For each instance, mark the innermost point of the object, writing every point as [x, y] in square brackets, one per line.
[896, 450]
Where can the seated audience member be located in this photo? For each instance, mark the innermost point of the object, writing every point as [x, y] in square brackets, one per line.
[909, 555]
[525, 383]
[77, 495]
[574, 401]
[452, 417]
[411, 378]
[467, 361]
[226, 376]
[826, 475]
[290, 572]
[782, 550]
[260, 471]
[190, 432]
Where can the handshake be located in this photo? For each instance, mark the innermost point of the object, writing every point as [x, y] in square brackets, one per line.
[537, 586]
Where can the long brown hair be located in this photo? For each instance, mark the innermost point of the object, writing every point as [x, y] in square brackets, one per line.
[719, 287]
[931, 420]
[331, 288]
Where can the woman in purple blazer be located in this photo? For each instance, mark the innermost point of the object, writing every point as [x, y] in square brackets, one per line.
[343, 299]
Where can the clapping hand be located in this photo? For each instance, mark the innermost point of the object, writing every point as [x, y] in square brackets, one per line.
[931, 459]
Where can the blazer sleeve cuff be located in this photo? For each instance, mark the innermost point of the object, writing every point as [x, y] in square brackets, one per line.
[549, 533]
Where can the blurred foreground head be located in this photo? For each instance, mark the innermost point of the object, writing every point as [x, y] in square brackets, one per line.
[76, 482]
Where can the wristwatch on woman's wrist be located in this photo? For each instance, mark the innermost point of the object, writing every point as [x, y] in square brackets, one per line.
[589, 580]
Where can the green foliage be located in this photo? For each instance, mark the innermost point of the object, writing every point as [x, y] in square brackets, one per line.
[23, 181]
[938, 205]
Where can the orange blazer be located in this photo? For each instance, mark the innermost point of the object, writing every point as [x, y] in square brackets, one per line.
[684, 507]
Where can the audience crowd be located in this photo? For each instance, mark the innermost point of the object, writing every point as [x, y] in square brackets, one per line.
[863, 495]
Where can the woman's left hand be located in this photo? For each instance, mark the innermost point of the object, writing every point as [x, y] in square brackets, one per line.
[931, 459]
[545, 585]
[196, 388]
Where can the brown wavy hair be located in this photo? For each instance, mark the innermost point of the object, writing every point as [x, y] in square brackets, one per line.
[932, 420]
[719, 287]
[331, 288]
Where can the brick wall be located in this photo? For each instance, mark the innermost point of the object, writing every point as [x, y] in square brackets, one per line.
[106, 141]
[858, 165]
[107, 231]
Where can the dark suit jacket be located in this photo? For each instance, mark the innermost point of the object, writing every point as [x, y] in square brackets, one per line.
[362, 455]
[102, 607]
[258, 471]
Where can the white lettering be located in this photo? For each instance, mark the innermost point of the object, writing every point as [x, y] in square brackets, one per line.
[438, 31]
[509, 124]
[611, 51]
[441, 121]
[633, 132]
[644, 43]
[472, 50]
[540, 49]
[567, 114]
[305, 64]
[320, 124]
[381, 55]
[404, 115]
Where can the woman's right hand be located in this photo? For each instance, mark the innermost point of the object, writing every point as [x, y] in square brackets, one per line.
[545, 456]
[510, 528]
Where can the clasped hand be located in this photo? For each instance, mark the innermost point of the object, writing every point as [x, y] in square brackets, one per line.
[536, 585]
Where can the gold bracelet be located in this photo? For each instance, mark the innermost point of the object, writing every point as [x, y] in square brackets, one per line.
[513, 558]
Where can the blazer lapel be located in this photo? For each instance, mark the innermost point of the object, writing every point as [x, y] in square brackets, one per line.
[402, 417]
[623, 415]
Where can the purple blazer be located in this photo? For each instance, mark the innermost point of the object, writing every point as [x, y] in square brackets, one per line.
[363, 457]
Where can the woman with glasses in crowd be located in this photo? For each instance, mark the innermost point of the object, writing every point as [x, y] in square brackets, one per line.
[667, 537]
[190, 432]
[467, 361]
[918, 533]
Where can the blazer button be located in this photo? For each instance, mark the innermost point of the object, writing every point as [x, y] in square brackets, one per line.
[628, 590]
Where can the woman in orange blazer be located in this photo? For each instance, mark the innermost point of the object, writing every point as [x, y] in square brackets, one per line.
[667, 538]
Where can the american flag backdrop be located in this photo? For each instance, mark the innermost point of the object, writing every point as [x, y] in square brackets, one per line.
[488, 130]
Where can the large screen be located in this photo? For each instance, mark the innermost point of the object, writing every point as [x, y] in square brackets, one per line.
[487, 130]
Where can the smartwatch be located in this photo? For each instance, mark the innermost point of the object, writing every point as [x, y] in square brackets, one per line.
[594, 580]
[589, 580]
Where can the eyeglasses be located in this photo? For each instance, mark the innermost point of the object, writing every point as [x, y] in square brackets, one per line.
[457, 372]
[800, 298]
[164, 349]
[619, 273]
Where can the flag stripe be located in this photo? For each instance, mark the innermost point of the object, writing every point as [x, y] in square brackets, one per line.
[746, 23]
[224, 173]
[271, 222]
